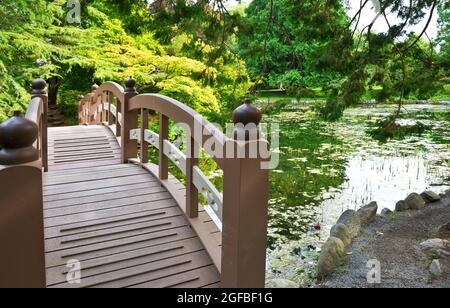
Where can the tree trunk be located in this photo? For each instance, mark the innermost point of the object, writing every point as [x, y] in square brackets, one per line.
[53, 87]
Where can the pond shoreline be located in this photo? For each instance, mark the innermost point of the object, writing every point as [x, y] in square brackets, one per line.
[328, 168]
[395, 241]
[362, 104]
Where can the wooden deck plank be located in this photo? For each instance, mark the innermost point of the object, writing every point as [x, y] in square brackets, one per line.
[101, 168]
[97, 184]
[116, 233]
[116, 219]
[196, 278]
[101, 192]
[73, 151]
[105, 223]
[149, 272]
[89, 252]
[91, 176]
[99, 206]
[99, 214]
[87, 164]
[90, 158]
[146, 189]
[57, 275]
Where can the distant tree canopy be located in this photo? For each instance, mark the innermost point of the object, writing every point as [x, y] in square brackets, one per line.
[113, 42]
[444, 32]
[304, 44]
[203, 53]
[289, 41]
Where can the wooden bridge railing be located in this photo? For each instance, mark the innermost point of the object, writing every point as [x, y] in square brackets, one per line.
[23, 157]
[240, 211]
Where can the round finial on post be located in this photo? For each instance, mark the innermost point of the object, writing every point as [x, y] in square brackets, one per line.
[246, 119]
[130, 85]
[17, 136]
[39, 85]
[94, 88]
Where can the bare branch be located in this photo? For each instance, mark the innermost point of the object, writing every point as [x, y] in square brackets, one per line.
[426, 26]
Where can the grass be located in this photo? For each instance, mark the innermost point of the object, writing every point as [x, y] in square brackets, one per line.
[275, 95]
[318, 94]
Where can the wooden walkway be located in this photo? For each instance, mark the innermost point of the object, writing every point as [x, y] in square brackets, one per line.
[116, 219]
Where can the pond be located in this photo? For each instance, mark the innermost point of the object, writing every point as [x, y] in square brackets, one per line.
[326, 168]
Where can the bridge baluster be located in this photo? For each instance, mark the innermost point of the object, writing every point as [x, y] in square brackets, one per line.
[191, 189]
[144, 144]
[110, 103]
[163, 135]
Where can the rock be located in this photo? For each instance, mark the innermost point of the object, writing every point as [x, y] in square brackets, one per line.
[352, 221]
[368, 213]
[430, 196]
[332, 256]
[279, 283]
[386, 213]
[435, 268]
[415, 202]
[444, 230]
[401, 206]
[341, 232]
[436, 247]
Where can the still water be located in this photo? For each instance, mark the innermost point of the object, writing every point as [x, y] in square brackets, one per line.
[327, 168]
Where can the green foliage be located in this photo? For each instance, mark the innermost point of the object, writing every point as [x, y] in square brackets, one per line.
[68, 102]
[299, 45]
[444, 28]
[297, 37]
[113, 42]
[388, 129]
[190, 93]
[276, 107]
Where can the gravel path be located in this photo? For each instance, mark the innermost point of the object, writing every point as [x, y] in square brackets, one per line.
[395, 244]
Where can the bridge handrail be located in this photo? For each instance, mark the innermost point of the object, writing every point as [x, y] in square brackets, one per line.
[241, 211]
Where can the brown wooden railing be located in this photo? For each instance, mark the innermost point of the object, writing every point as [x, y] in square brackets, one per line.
[240, 211]
[23, 157]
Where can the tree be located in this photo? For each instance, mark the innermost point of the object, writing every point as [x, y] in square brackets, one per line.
[108, 45]
[444, 38]
[287, 41]
[370, 53]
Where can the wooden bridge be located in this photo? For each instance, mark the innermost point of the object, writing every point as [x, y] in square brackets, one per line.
[82, 206]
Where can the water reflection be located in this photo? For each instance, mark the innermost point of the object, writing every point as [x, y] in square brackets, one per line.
[327, 168]
[382, 179]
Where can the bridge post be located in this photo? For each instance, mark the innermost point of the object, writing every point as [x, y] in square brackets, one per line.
[22, 257]
[245, 208]
[129, 122]
[39, 90]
